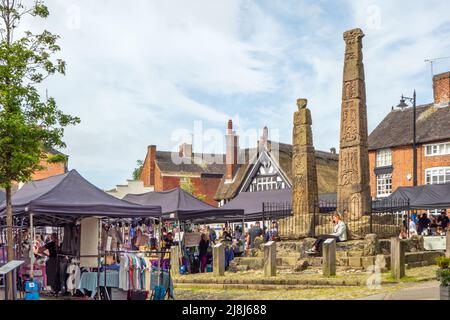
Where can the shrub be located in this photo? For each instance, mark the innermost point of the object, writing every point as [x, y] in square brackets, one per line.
[443, 273]
[443, 262]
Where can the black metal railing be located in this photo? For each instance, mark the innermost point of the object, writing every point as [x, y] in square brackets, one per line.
[384, 218]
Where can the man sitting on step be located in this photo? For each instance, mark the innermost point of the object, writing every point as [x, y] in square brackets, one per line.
[339, 234]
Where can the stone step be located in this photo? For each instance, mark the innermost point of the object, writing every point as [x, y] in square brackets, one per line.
[287, 261]
[267, 282]
[251, 262]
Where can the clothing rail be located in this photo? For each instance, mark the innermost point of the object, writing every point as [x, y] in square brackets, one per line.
[106, 252]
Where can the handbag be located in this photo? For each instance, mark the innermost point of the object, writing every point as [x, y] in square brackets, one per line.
[138, 295]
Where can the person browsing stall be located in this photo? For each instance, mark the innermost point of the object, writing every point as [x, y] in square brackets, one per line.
[254, 232]
[50, 249]
[443, 220]
[203, 247]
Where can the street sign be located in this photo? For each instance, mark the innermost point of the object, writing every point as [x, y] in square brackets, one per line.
[435, 243]
[10, 266]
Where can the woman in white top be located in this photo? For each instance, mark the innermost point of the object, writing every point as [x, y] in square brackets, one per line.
[339, 234]
[412, 228]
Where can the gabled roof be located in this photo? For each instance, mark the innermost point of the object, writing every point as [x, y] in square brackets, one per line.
[197, 165]
[397, 127]
[70, 195]
[326, 163]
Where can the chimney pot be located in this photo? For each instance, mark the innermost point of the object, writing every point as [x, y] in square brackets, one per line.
[186, 150]
[232, 147]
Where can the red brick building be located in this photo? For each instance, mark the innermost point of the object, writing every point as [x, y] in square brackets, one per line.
[269, 167]
[165, 170]
[390, 144]
[50, 169]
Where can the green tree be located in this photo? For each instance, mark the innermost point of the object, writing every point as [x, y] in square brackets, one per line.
[138, 170]
[188, 186]
[29, 125]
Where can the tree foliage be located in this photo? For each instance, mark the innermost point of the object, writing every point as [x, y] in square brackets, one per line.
[29, 125]
[188, 186]
[138, 170]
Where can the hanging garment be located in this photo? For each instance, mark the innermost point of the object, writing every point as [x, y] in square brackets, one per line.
[73, 279]
[63, 265]
[119, 236]
[71, 240]
[113, 234]
[123, 273]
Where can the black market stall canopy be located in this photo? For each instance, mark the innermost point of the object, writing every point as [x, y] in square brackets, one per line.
[69, 196]
[273, 204]
[253, 204]
[177, 204]
[427, 197]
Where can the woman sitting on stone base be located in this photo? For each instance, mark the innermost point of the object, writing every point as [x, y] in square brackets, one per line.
[339, 234]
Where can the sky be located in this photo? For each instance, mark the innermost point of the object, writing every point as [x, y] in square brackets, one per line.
[152, 72]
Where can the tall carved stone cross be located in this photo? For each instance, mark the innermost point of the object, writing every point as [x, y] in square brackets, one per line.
[353, 179]
[305, 192]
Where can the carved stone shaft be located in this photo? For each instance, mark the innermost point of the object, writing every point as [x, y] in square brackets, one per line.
[305, 191]
[353, 178]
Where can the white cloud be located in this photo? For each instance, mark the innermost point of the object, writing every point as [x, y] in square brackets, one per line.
[139, 70]
[132, 70]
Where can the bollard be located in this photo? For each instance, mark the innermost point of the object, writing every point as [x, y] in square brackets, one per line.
[175, 260]
[447, 245]
[329, 258]
[397, 258]
[270, 259]
[219, 260]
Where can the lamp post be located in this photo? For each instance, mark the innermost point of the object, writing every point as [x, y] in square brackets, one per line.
[403, 105]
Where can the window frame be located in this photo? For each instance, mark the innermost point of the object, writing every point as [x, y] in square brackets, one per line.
[383, 158]
[264, 183]
[384, 177]
[432, 173]
[442, 149]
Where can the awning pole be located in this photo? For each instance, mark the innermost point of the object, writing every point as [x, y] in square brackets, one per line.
[158, 268]
[98, 256]
[180, 256]
[31, 248]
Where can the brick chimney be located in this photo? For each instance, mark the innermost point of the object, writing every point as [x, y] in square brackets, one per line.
[148, 171]
[263, 140]
[186, 151]
[232, 141]
[441, 86]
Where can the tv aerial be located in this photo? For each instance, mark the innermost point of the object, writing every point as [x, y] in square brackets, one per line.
[431, 62]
